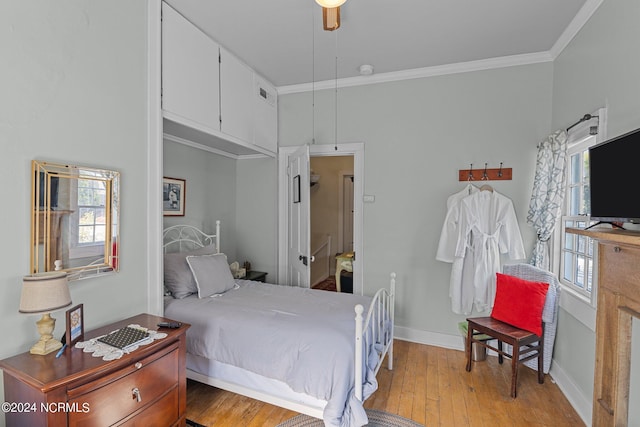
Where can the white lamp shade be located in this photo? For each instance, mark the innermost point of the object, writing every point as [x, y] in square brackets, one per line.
[330, 4]
[44, 293]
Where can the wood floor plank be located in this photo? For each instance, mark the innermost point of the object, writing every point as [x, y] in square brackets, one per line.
[428, 385]
[418, 410]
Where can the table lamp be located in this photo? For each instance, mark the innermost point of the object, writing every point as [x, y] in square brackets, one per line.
[43, 294]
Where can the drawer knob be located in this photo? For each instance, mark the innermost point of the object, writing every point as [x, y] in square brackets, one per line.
[136, 394]
[617, 249]
[138, 365]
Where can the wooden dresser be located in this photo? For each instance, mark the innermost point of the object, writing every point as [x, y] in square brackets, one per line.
[618, 304]
[144, 388]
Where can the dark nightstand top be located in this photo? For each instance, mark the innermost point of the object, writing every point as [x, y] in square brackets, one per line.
[258, 276]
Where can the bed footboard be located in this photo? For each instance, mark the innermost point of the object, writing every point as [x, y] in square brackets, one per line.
[374, 333]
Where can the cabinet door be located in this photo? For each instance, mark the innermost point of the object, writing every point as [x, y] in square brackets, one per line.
[265, 99]
[236, 97]
[190, 71]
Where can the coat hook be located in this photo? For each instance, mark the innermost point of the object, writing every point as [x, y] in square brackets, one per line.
[500, 171]
[470, 172]
[484, 174]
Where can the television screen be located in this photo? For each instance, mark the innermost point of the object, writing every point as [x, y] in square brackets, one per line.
[613, 167]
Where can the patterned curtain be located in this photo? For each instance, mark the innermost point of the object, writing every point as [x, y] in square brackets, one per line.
[547, 195]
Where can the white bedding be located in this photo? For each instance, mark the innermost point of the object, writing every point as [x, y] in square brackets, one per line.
[302, 337]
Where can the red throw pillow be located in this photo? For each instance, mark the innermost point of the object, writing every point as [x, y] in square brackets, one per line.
[519, 302]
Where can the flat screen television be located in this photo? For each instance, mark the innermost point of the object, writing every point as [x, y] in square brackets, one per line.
[614, 167]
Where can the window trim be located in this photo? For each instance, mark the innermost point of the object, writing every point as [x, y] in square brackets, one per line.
[580, 306]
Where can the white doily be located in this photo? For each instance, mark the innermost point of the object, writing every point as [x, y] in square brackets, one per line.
[107, 352]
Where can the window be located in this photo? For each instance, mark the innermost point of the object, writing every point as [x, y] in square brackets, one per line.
[576, 251]
[91, 206]
[576, 254]
[89, 220]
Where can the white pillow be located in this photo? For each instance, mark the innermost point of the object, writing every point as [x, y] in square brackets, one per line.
[178, 278]
[211, 273]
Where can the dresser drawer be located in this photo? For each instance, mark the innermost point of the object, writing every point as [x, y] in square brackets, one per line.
[126, 391]
[161, 414]
[619, 271]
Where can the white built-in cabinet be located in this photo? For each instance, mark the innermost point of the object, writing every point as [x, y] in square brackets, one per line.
[210, 97]
[236, 97]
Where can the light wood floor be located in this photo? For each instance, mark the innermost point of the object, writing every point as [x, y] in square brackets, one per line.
[428, 385]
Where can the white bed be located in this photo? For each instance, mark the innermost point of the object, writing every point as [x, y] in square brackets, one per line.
[311, 351]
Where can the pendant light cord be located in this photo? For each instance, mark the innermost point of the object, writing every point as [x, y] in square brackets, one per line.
[313, 77]
[336, 98]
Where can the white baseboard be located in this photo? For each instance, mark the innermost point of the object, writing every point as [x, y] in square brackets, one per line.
[454, 342]
[579, 401]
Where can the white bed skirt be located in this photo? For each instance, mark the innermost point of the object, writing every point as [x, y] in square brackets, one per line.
[247, 383]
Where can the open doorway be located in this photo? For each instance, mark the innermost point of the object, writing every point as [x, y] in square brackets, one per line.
[331, 217]
[289, 230]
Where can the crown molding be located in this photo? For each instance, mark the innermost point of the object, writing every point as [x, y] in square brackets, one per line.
[581, 18]
[583, 15]
[417, 73]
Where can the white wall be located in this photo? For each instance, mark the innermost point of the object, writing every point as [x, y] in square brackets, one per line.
[73, 84]
[418, 134]
[256, 215]
[599, 68]
[211, 191]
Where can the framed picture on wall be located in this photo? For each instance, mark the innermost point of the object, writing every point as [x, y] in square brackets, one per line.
[75, 325]
[173, 194]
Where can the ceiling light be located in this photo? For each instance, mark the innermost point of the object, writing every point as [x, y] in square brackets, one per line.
[329, 4]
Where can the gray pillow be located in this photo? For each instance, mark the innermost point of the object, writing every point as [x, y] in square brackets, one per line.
[211, 273]
[178, 278]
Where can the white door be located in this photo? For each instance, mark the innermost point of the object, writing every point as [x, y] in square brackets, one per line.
[299, 250]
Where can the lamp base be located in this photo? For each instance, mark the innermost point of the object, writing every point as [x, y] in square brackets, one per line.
[47, 343]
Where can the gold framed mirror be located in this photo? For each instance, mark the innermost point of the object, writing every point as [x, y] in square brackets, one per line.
[74, 220]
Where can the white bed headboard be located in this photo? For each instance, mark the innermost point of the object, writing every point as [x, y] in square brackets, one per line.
[182, 238]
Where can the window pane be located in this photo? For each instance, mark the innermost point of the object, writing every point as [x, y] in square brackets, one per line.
[590, 275]
[100, 216]
[574, 207]
[85, 234]
[86, 216]
[568, 239]
[99, 233]
[582, 241]
[586, 200]
[580, 269]
[575, 169]
[100, 198]
[585, 165]
[567, 274]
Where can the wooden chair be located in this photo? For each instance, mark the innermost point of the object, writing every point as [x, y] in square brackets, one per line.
[525, 292]
[525, 345]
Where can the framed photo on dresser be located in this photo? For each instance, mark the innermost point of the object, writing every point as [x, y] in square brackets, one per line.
[75, 325]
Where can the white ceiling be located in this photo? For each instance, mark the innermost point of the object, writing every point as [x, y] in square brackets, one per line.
[283, 40]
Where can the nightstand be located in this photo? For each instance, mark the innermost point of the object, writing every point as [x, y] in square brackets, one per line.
[343, 262]
[257, 276]
[145, 387]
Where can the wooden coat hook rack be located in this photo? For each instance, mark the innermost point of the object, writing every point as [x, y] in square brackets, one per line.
[485, 174]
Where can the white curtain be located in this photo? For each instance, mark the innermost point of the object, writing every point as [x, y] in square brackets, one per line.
[548, 193]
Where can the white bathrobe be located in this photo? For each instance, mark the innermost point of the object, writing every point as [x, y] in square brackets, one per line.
[447, 249]
[487, 228]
